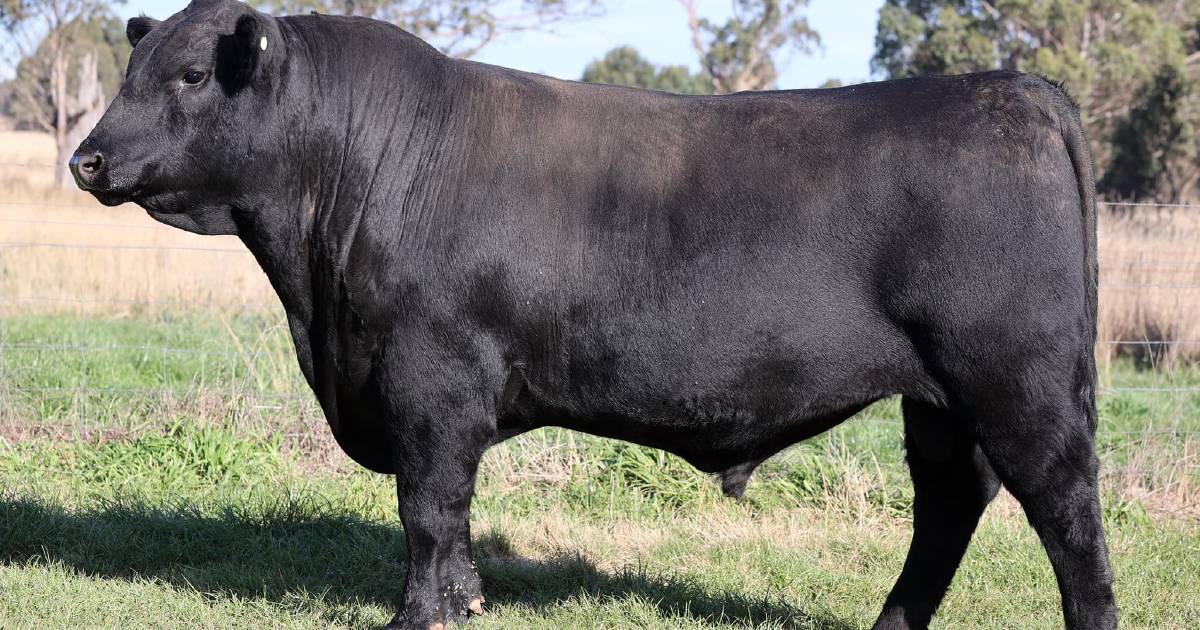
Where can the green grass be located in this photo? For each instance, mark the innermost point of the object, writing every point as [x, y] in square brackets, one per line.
[203, 507]
[128, 374]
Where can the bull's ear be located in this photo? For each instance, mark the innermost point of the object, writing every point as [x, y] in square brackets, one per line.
[136, 28]
[239, 55]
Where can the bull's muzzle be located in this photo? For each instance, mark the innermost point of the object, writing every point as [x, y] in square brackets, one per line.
[87, 167]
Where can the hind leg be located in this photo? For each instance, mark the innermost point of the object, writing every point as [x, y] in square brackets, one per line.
[1044, 454]
[953, 483]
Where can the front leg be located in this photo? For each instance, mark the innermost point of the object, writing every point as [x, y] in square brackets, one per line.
[436, 464]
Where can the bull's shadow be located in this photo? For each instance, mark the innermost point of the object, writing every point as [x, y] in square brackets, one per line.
[347, 560]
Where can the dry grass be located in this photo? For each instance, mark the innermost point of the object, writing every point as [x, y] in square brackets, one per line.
[106, 260]
[1150, 281]
[26, 159]
[1164, 486]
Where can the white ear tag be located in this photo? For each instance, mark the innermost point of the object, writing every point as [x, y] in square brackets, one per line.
[262, 44]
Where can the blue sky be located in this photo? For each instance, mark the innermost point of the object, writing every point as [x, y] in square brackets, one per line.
[658, 29]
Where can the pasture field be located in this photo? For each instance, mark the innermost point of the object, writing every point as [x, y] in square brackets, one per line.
[201, 506]
[162, 464]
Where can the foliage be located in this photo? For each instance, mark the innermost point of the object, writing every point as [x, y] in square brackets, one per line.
[13, 12]
[29, 99]
[625, 66]
[1081, 41]
[459, 27]
[48, 34]
[26, 23]
[1103, 50]
[1154, 148]
[744, 52]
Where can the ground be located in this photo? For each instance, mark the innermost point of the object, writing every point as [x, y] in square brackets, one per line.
[198, 505]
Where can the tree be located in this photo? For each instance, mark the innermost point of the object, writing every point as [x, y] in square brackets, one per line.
[102, 39]
[1154, 148]
[459, 27]
[743, 53]
[1102, 50]
[1084, 42]
[48, 33]
[625, 66]
[915, 37]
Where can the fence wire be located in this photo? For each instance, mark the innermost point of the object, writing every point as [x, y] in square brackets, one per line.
[65, 378]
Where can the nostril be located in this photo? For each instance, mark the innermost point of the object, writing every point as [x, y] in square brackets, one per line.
[92, 163]
[87, 166]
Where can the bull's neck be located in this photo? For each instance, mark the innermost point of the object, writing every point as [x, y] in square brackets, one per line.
[363, 130]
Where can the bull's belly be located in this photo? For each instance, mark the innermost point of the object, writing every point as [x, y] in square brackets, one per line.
[723, 403]
[712, 437]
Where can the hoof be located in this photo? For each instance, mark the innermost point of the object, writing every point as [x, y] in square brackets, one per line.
[476, 606]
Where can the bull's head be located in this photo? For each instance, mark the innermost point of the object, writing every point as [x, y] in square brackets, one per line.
[189, 134]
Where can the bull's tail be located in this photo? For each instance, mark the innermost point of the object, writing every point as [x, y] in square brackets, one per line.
[1081, 160]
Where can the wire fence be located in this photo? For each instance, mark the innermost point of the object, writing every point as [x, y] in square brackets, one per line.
[63, 365]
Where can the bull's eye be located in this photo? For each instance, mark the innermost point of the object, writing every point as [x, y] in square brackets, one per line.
[194, 77]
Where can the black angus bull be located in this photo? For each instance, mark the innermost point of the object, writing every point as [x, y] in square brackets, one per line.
[467, 252]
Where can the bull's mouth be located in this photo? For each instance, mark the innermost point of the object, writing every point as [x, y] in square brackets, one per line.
[112, 198]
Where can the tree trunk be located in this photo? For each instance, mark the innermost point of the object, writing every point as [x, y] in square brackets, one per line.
[88, 104]
[58, 96]
[80, 113]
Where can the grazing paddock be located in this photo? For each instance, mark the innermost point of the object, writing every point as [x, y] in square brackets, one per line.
[162, 459]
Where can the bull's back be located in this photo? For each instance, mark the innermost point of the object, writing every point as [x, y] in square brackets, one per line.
[635, 180]
[807, 200]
